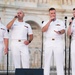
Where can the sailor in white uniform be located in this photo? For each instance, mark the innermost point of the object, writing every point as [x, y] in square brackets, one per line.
[19, 41]
[53, 31]
[3, 40]
[71, 32]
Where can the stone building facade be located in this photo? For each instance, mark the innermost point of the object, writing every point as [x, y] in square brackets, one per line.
[35, 11]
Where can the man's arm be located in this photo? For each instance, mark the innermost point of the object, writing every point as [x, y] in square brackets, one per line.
[69, 31]
[9, 25]
[69, 28]
[60, 32]
[30, 38]
[45, 28]
[6, 45]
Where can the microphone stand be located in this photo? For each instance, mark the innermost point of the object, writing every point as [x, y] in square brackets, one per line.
[42, 52]
[42, 49]
[65, 44]
[69, 55]
[70, 51]
[7, 63]
[7, 59]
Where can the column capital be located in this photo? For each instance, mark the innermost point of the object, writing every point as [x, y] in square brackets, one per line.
[56, 3]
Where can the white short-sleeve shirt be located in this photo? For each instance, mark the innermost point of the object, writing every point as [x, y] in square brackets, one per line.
[56, 25]
[3, 32]
[19, 30]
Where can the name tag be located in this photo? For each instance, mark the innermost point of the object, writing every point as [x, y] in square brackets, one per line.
[15, 25]
[57, 24]
[26, 26]
[2, 28]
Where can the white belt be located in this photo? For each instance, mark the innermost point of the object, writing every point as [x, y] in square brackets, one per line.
[53, 39]
[18, 40]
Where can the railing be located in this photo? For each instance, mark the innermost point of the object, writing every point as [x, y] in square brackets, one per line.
[67, 2]
[3, 63]
[35, 60]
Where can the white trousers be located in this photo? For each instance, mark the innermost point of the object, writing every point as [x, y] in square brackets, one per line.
[73, 56]
[1, 51]
[51, 46]
[20, 54]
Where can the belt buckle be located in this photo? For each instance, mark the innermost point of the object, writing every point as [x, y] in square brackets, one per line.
[19, 40]
[53, 39]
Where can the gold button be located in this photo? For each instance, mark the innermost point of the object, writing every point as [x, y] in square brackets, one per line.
[19, 40]
[53, 39]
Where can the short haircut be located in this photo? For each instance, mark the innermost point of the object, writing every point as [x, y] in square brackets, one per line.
[73, 8]
[51, 9]
[20, 10]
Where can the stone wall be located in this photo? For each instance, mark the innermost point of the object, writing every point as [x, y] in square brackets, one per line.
[35, 11]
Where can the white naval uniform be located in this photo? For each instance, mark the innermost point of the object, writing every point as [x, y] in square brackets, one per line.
[20, 53]
[3, 34]
[73, 47]
[54, 44]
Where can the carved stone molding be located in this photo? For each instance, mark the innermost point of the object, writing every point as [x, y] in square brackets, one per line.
[56, 3]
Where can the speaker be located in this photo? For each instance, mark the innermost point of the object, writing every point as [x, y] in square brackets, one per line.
[29, 72]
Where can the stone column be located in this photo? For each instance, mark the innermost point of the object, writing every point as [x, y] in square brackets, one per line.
[48, 1]
[62, 1]
[56, 3]
[70, 2]
[40, 1]
[73, 2]
[65, 2]
[44, 1]
[36, 1]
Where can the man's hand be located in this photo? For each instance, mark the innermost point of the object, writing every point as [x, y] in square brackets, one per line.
[5, 51]
[26, 42]
[52, 18]
[71, 20]
[16, 16]
[58, 32]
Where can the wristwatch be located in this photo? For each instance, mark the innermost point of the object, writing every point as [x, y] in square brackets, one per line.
[59, 32]
[29, 41]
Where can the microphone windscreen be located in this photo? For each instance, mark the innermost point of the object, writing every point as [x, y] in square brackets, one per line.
[65, 17]
[72, 20]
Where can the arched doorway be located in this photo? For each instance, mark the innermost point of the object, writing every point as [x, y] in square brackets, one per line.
[36, 45]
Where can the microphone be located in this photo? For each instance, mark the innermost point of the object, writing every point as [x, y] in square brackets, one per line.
[16, 16]
[72, 20]
[65, 21]
[65, 17]
[42, 22]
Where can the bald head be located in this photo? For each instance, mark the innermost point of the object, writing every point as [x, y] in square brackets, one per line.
[20, 10]
[20, 14]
